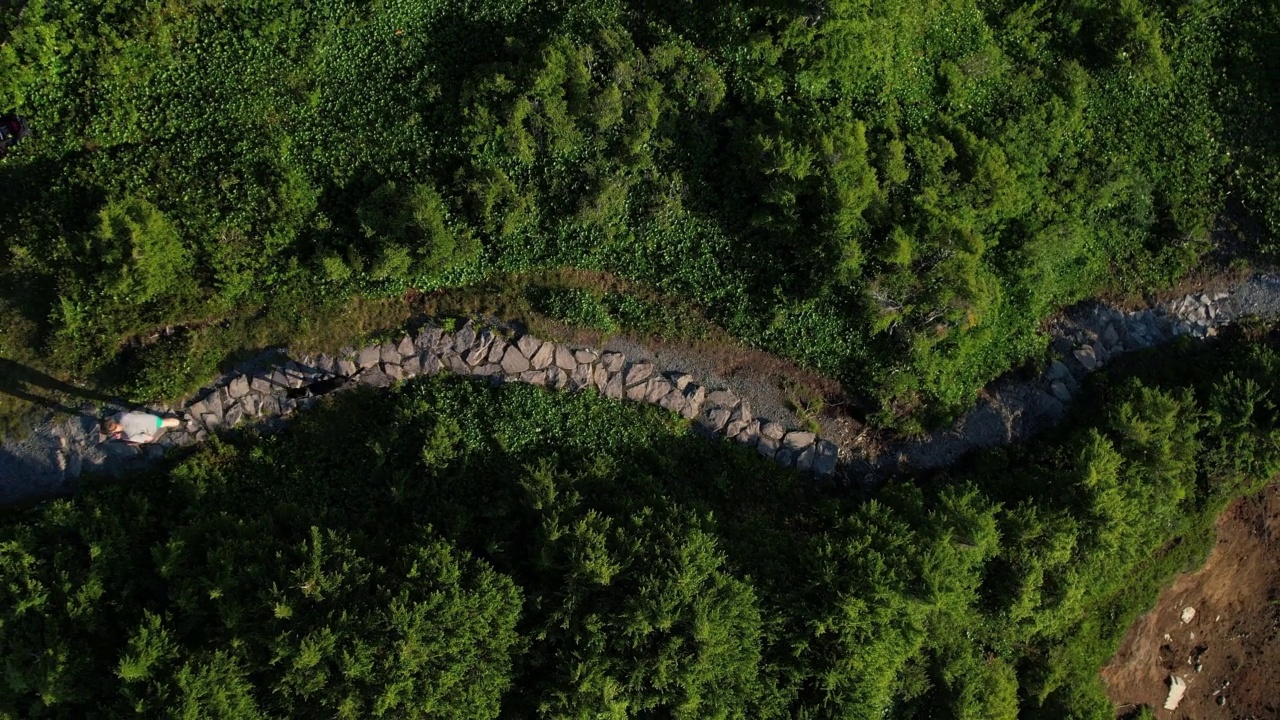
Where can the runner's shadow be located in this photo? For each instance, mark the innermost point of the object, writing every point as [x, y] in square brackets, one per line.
[35, 387]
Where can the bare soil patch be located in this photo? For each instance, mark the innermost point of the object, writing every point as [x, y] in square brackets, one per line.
[1229, 653]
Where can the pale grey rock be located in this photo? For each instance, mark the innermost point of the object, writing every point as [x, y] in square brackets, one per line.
[234, 416]
[585, 356]
[477, 355]
[826, 459]
[455, 364]
[262, 385]
[431, 364]
[528, 345]
[1058, 370]
[767, 446]
[534, 377]
[638, 393]
[514, 362]
[614, 388]
[600, 378]
[804, 458]
[750, 434]
[544, 357]
[1110, 337]
[681, 380]
[369, 357]
[429, 338]
[773, 430]
[389, 354]
[564, 359]
[714, 419]
[412, 365]
[392, 371]
[372, 378]
[556, 378]
[613, 362]
[347, 368]
[238, 387]
[1086, 357]
[497, 351]
[695, 396]
[798, 439]
[722, 398]
[658, 388]
[211, 421]
[673, 401]
[405, 348]
[464, 339]
[637, 373]
[580, 377]
[485, 339]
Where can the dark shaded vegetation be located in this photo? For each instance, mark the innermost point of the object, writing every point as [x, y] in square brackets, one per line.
[893, 194]
[451, 549]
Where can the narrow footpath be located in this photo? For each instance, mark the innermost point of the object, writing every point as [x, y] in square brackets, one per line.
[269, 389]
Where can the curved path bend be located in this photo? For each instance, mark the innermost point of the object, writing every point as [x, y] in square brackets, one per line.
[271, 388]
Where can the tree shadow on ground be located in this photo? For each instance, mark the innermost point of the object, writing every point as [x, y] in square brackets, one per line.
[27, 383]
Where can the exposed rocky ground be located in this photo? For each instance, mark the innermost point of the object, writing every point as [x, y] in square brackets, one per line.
[1214, 631]
[49, 460]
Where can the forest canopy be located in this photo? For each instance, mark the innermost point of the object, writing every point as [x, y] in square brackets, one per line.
[893, 193]
[477, 551]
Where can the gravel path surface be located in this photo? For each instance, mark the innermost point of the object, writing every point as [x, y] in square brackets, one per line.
[749, 408]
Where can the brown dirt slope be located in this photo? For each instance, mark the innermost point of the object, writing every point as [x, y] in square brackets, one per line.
[1229, 653]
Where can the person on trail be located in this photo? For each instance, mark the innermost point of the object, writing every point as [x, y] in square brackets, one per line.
[13, 130]
[136, 427]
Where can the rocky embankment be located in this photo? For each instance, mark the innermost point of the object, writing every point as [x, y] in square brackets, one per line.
[1086, 339]
[271, 388]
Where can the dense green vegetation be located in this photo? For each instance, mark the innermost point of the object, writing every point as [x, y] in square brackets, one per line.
[893, 193]
[451, 549]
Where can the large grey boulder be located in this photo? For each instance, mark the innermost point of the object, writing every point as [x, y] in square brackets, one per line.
[429, 338]
[614, 388]
[238, 387]
[497, 350]
[613, 361]
[638, 393]
[543, 357]
[658, 388]
[347, 368]
[464, 339]
[564, 359]
[405, 348]
[528, 345]
[1086, 357]
[431, 364]
[369, 357]
[767, 446]
[389, 354]
[637, 373]
[514, 361]
[713, 419]
[824, 462]
[585, 356]
[477, 355]
[455, 364]
[798, 439]
[721, 398]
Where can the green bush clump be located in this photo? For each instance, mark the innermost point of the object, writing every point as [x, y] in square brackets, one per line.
[465, 550]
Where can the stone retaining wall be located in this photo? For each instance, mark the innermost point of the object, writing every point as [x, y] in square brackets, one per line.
[275, 390]
[274, 387]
